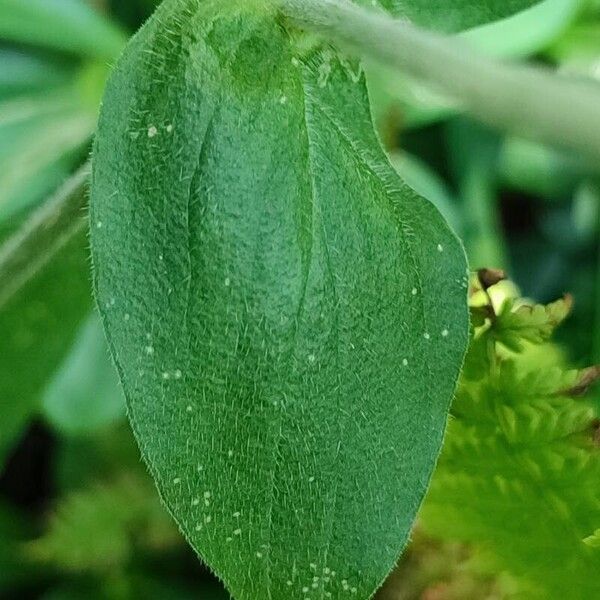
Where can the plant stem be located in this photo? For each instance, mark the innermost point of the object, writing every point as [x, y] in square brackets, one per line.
[43, 235]
[529, 101]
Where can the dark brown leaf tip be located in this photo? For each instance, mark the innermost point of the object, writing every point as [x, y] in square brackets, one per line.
[489, 277]
[585, 379]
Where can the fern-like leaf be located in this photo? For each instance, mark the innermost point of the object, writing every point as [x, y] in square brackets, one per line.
[519, 476]
[99, 528]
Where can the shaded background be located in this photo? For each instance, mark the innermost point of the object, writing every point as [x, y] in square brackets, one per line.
[78, 514]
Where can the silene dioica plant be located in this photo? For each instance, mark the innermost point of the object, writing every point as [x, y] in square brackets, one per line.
[289, 318]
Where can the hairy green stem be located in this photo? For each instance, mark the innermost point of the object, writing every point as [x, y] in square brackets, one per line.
[530, 101]
[43, 235]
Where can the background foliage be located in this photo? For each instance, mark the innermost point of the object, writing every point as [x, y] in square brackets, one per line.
[78, 515]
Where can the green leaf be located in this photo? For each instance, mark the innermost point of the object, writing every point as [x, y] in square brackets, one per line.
[453, 15]
[41, 141]
[527, 32]
[539, 170]
[473, 152]
[39, 325]
[44, 295]
[66, 25]
[44, 135]
[288, 318]
[127, 586]
[96, 529]
[85, 394]
[518, 323]
[22, 73]
[593, 540]
[519, 476]
[102, 455]
[428, 184]
[13, 531]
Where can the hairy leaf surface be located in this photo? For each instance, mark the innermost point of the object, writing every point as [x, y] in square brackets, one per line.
[288, 318]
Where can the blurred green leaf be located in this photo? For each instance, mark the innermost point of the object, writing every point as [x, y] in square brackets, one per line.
[39, 143]
[454, 15]
[540, 170]
[133, 12]
[579, 45]
[473, 152]
[38, 326]
[99, 528]
[85, 393]
[44, 135]
[25, 72]
[593, 541]
[90, 590]
[428, 184]
[585, 213]
[527, 32]
[66, 25]
[133, 586]
[99, 456]
[404, 100]
[167, 590]
[13, 530]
